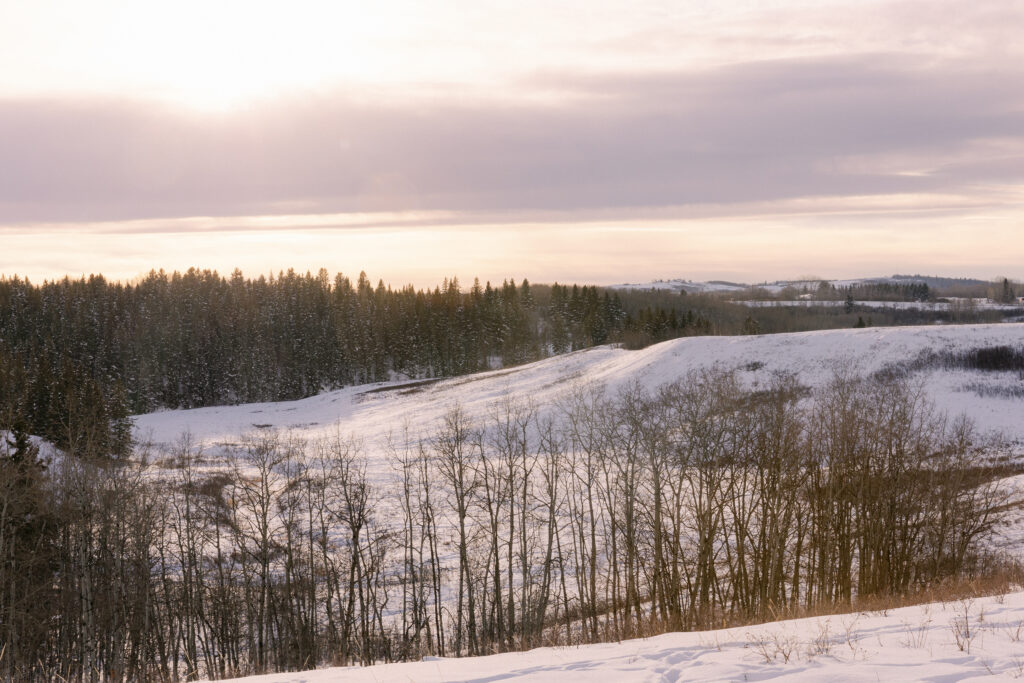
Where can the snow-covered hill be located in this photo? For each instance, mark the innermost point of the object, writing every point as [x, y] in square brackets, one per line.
[953, 641]
[688, 286]
[691, 287]
[994, 400]
[964, 305]
[909, 644]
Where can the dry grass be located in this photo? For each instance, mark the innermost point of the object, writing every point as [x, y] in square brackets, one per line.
[998, 579]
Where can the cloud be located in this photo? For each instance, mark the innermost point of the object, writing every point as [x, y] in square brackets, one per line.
[772, 131]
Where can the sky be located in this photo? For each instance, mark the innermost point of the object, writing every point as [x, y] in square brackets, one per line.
[584, 141]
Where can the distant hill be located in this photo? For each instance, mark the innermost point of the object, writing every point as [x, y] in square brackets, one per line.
[940, 282]
[713, 286]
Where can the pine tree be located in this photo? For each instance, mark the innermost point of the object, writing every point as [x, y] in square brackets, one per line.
[1008, 295]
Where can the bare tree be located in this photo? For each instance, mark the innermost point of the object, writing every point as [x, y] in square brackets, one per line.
[457, 448]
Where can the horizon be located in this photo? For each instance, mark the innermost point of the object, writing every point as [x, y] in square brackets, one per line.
[465, 283]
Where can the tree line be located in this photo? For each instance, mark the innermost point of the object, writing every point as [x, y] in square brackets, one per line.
[185, 340]
[610, 515]
[874, 291]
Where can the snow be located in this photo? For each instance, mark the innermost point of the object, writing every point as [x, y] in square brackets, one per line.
[714, 286]
[372, 412]
[48, 454]
[676, 285]
[375, 414]
[976, 304]
[909, 644]
[684, 286]
[922, 643]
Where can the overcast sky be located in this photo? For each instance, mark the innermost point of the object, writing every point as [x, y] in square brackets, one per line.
[598, 141]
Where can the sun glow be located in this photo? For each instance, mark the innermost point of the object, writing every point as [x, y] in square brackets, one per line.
[213, 55]
[221, 54]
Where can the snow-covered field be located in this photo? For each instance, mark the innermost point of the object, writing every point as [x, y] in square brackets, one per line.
[910, 644]
[372, 412]
[975, 304]
[691, 287]
[979, 640]
[688, 286]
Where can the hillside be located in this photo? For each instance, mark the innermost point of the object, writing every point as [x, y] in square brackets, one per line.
[914, 643]
[690, 286]
[379, 413]
[372, 411]
[522, 507]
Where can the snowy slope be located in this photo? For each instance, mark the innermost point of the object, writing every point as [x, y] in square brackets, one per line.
[909, 644]
[689, 286]
[372, 412]
[978, 304]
